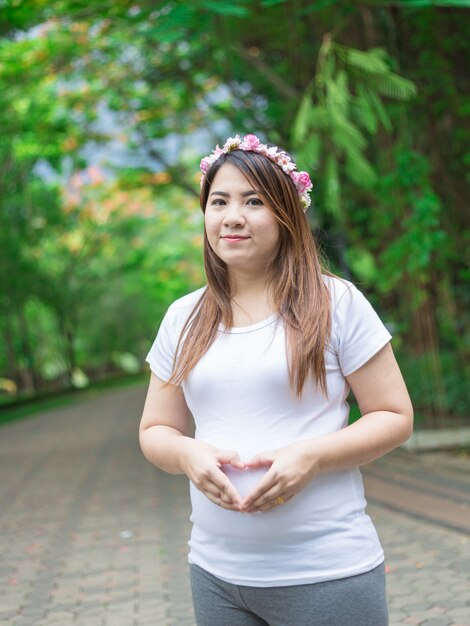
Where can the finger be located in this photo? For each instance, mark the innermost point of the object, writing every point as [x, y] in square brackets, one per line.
[218, 496]
[272, 504]
[267, 486]
[218, 491]
[265, 498]
[266, 459]
[219, 501]
[212, 490]
[218, 479]
[229, 457]
[225, 487]
[238, 463]
[226, 492]
[207, 477]
[216, 486]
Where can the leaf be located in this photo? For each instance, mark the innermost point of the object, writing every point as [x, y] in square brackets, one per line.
[364, 114]
[332, 187]
[226, 8]
[395, 87]
[359, 170]
[302, 119]
[271, 3]
[164, 35]
[452, 3]
[318, 118]
[376, 104]
[337, 91]
[311, 151]
[345, 132]
[432, 3]
[328, 70]
[376, 72]
[362, 263]
[368, 61]
[317, 6]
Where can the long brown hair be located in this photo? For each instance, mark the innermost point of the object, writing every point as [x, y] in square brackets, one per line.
[294, 273]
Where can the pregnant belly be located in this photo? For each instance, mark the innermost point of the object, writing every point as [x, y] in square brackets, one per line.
[212, 521]
[244, 480]
[331, 506]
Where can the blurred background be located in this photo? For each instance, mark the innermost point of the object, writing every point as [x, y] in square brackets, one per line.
[106, 109]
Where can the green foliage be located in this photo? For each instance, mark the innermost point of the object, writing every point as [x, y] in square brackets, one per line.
[372, 73]
[418, 372]
[371, 98]
[420, 4]
[420, 243]
[341, 106]
[237, 9]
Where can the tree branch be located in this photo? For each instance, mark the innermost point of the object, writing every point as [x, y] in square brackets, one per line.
[283, 88]
[178, 175]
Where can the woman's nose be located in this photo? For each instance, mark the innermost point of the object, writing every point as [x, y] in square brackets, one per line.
[233, 216]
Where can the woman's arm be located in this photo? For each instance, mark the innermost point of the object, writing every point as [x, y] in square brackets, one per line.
[387, 415]
[164, 426]
[164, 442]
[386, 422]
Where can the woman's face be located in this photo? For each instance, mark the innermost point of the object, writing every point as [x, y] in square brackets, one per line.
[241, 230]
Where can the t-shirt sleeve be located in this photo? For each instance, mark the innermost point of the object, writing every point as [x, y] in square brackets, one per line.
[358, 332]
[161, 354]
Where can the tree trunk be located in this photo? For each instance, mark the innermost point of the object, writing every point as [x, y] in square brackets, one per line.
[28, 351]
[70, 359]
[12, 365]
[425, 320]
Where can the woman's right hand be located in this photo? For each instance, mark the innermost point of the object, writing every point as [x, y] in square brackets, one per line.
[202, 464]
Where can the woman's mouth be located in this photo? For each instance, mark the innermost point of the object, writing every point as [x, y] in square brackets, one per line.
[234, 238]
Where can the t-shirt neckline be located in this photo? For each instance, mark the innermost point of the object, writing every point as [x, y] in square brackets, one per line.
[251, 328]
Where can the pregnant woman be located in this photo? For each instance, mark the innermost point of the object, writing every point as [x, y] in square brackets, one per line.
[263, 358]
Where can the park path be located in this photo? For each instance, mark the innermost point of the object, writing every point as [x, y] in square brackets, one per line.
[91, 534]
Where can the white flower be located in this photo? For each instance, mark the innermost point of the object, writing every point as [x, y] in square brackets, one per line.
[232, 143]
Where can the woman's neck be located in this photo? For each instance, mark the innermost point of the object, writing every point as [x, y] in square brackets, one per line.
[252, 300]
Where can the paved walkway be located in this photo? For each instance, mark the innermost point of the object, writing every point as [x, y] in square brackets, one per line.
[92, 535]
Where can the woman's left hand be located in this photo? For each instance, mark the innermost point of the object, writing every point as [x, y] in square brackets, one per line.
[292, 467]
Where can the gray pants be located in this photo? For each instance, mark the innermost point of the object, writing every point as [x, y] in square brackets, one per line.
[355, 601]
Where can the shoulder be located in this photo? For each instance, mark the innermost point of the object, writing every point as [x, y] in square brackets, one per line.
[187, 302]
[356, 329]
[350, 308]
[338, 288]
[181, 308]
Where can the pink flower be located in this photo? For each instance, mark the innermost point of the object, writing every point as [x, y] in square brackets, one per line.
[251, 142]
[205, 165]
[302, 181]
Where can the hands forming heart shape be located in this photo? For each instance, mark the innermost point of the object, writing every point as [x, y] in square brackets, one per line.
[244, 480]
[264, 482]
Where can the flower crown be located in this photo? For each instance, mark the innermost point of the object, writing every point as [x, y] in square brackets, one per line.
[251, 143]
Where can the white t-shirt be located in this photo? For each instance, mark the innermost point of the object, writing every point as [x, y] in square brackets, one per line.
[240, 398]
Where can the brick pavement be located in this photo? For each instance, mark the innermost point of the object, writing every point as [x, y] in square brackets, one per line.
[92, 535]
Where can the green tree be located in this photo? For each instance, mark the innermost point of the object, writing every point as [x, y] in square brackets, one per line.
[390, 174]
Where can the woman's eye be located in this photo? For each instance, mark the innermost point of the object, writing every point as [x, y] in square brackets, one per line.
[250, 202]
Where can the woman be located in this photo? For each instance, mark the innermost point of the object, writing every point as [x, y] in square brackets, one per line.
[263, 358]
